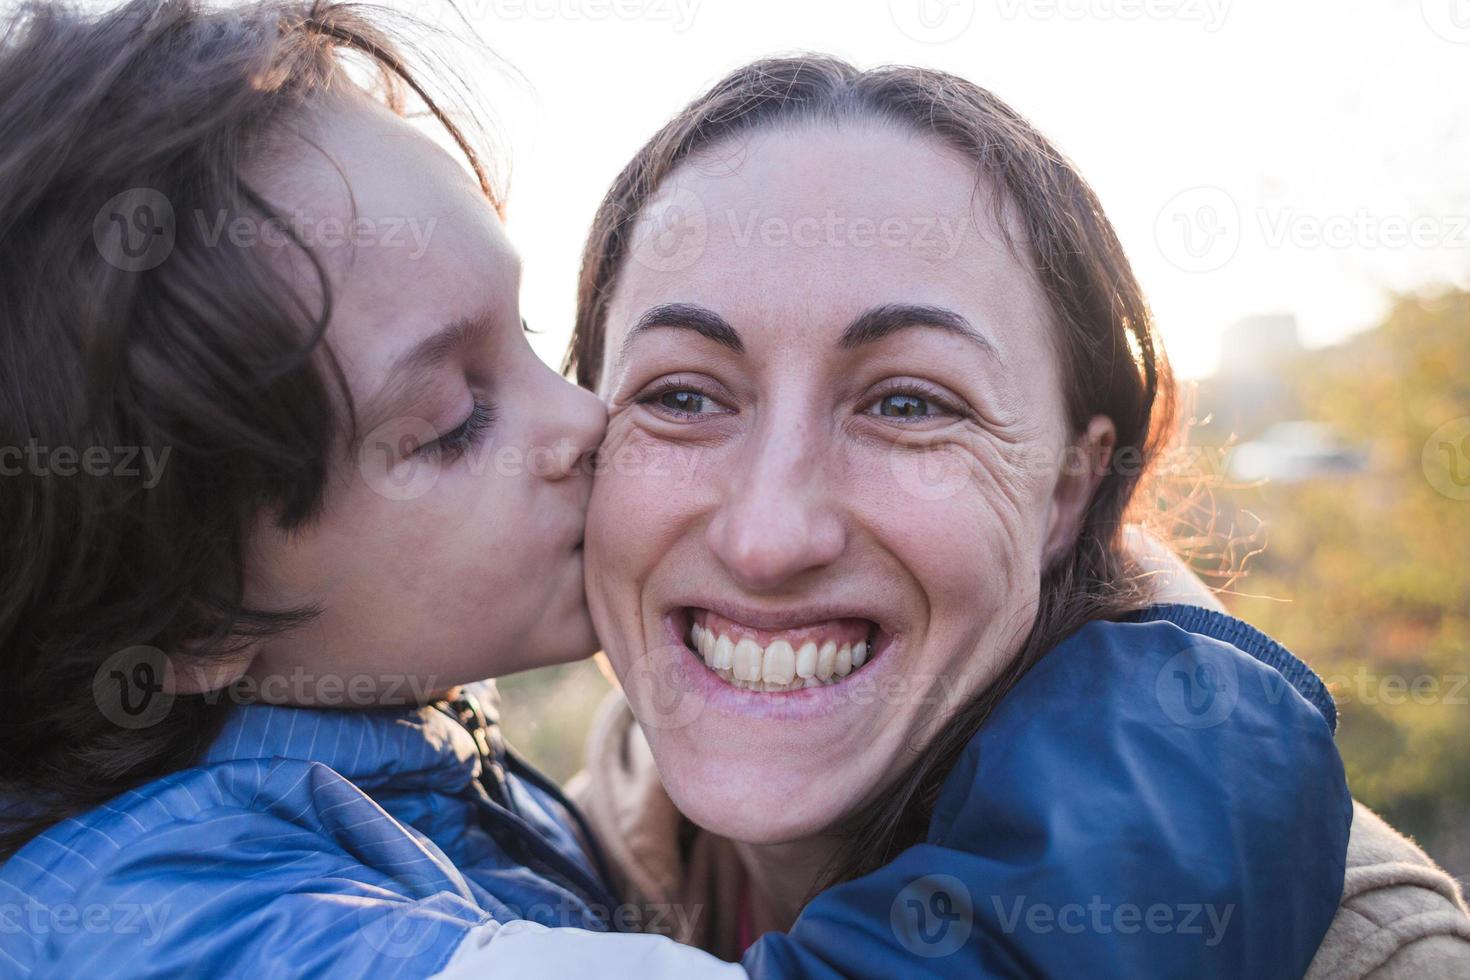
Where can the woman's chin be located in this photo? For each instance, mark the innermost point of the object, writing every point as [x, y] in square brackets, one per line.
[757, 806]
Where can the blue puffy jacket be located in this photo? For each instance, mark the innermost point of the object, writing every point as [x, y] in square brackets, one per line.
[305, 843]
[1156, 798]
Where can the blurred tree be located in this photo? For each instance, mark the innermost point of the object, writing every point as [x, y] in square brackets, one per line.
[1365, 575]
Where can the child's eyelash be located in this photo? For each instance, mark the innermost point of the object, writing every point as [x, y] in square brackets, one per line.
[463, 436]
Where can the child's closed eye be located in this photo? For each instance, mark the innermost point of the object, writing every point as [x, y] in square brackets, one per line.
[457, 441]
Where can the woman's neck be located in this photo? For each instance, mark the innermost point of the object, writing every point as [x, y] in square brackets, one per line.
[782, 877]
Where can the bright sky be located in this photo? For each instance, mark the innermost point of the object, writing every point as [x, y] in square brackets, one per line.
[1257, 156]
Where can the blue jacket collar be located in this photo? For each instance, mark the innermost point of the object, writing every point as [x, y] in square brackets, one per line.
[417, 747]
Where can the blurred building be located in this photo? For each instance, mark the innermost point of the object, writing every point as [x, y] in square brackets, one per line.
[1290, 452]
[1253, 403]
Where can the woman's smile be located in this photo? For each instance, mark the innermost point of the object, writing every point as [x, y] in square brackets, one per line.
[778, 661]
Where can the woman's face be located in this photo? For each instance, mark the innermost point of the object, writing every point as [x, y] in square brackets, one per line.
[833, 471]
[449, 545]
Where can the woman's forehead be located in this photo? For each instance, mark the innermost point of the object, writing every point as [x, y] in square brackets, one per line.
[815, 225]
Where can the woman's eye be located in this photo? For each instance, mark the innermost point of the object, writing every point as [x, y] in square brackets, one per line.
[688, 402]
[917, 403]
[683, 402]
[903, 407]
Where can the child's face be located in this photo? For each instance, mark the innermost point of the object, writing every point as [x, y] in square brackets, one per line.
[455, 561]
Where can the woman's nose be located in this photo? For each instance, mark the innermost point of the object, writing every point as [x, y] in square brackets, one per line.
[777, 519]
[572, 427]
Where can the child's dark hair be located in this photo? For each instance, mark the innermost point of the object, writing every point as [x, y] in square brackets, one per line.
[160, 388]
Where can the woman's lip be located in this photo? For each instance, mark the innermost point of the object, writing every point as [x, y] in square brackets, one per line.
[839, 630]
[789, 618]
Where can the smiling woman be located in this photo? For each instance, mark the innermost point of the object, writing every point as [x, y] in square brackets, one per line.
[887, 598]
[845, 420]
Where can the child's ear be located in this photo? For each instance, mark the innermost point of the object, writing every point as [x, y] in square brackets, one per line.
[198, 675]
[1083, 467]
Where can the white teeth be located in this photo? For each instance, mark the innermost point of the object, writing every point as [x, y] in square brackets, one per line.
[826, 659]
[778, 667]
[780, 663]
[806, 660]
[723, 657]
[748, 657]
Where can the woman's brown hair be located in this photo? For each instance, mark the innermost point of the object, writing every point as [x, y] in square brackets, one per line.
[1111, 360]
[189, 370]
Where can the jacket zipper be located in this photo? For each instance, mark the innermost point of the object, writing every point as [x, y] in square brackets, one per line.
[490, 743]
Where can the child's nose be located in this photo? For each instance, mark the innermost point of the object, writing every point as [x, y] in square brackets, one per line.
[574, 425]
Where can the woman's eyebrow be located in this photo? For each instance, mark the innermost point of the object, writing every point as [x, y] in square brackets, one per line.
[882, 321]
[684, 316]
[869, 327]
